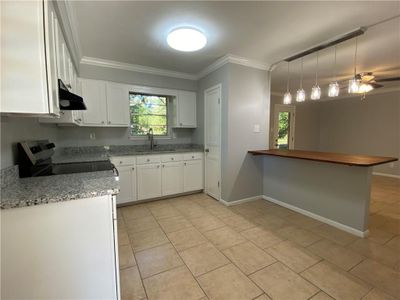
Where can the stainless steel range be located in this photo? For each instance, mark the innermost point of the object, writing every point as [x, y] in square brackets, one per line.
[34, 159]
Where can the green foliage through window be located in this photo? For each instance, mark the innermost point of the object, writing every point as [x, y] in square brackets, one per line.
[148, 111]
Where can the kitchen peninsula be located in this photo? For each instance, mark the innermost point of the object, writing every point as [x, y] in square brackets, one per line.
[331, 187]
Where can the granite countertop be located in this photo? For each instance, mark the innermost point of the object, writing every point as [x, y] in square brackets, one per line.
[49, 189]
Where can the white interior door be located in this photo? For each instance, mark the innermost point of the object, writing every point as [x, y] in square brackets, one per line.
[284, 124]
[212, 141]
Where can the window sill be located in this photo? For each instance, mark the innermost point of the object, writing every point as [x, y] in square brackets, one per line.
[145, 138]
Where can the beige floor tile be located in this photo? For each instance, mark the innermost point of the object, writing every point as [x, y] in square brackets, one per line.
[237, 222]
[336, 254]
[303, 221]
[186, 238]
[298, 235]
[164, 211]
[295, 257]
[247, 211]
[148, 239]
[224, 237]
[334, 234]
[219, 210]
[203, 258]
[174, 223]
[279, 211]
[140, 224]
[158, 259]
[378, 252]
[131, 284]
[392, 226]
[263, 297]
[194, 212]
[135, 211]
[205, 201]
[379, 236]
[375, 294]
[271, 222]
[207, 223]
[394, 243]
[336, 282]
[126, 258]
[281, 283]
[175, 284]
[321, 296]
[261, 237]
[228, 283]
[378, 275]
[123, 238]
[248, 257]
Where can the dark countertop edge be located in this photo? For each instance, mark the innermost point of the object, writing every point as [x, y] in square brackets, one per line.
[263, 152]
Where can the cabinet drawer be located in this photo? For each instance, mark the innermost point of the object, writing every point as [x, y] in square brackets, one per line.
[123, 160]
[148, 159]
[193, 156]
[171, 157]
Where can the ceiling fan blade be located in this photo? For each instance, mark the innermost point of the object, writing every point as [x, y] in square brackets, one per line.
[376, 85]
[387, 79]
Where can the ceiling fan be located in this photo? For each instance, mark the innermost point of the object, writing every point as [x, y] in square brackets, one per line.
[369, 82]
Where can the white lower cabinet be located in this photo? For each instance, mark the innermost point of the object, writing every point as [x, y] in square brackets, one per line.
[127, 182]
[172, 178]
[148, 181]
[193, 175]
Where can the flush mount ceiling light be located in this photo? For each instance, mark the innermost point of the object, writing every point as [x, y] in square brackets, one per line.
[186, 39]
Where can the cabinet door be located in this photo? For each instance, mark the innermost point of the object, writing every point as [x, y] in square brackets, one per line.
[127, 182]
[117, 104]
[148, 181]
[172, 178]
[50, 32]
[94, 96]
[193, 175]
[60, 49]
[23, 62]
[186, 109]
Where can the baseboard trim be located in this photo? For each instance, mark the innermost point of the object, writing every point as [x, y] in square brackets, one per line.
[338, 225]
[240, 201]
[386, 175]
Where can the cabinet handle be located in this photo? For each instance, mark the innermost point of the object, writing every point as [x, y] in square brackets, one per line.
[148, 160]
[120, 162]
[133, 168]
[180, 124]
[192, 156]
[158, 166]
[184, 164]
[102, 122]
[172, 158]
[163, 166]
[109, 122]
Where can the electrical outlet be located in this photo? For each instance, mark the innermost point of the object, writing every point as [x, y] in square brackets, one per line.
[92, 136]
[107, 148]
[256, 128]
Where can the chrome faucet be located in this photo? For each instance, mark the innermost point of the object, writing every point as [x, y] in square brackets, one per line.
[150, 135]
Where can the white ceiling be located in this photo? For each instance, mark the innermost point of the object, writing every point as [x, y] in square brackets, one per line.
[135, 32]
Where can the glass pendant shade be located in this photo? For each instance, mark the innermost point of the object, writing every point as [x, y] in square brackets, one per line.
[354, 86]
[315, 92]
[333, 90]
[287, 98]
[300, 95]
[365, 88]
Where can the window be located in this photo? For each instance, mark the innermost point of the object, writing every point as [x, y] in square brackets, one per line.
[148, 111]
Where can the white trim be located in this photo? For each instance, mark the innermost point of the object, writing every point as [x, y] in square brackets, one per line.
[217, 86]
[386, 175]
[338, 225]
[240, 201]
[86, 60]
[229, 58]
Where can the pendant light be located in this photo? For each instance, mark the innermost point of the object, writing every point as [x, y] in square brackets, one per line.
[301, 94]
[287, 97]
[354, 83]
[334, 88]
[316, 90]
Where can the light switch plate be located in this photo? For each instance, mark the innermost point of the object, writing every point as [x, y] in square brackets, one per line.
[256, 128]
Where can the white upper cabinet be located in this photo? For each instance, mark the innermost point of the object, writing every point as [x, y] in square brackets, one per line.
[94, 96]
[185, 110]
[117, 104]
[107, 103]
[25, 38]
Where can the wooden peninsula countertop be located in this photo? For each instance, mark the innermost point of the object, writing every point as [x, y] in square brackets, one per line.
[336, 158]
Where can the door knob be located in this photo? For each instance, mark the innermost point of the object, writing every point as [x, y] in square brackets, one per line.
[206, 150]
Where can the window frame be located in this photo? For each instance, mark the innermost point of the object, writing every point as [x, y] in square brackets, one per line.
[169, 94]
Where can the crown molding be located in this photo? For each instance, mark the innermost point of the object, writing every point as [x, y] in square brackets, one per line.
[135, 68]
[233, 59]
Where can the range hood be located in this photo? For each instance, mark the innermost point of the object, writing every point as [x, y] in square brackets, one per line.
[68, 100]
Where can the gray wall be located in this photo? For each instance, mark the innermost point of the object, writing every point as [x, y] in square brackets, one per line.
[369, 127]
[74, 136]
[244, 104]
[15, 129]
[349, 125]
